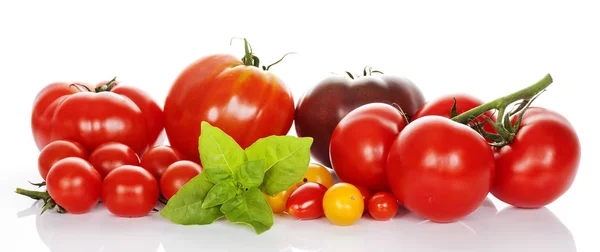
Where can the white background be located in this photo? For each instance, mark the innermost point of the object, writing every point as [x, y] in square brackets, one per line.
[485, 48]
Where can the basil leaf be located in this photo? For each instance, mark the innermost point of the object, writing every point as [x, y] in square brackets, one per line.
[185, 207]
[218, 174]
[251, 208]
[217, 149]
[286, 160]
[251, 173]
[219, 193]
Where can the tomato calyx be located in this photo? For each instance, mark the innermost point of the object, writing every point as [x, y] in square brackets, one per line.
[367, 71]
[505, 129]
[250, 59]
[49, 203]
[107, 87]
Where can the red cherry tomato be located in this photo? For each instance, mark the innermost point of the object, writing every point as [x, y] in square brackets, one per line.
[109, 156]
[177, 175]
[130, 191]
[244, 101]
[440, 169]
[306, 202]
[366, 194]
[383, 206]
[540, 164]
[360, 144]
[158, 158]
[57, 151]
[74, 185]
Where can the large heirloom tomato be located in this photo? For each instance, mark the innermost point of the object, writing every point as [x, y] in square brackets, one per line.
[321, 109]
[234, 95]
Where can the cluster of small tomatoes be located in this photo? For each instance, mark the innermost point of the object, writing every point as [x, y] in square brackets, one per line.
[343, 204]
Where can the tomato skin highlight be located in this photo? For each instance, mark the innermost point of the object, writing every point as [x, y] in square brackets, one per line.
[306, 202]
[343, 204]
[130, 191]
[442, 181]
[177, 175]
[245, 102]
[383, 206]
[360, 144]
[279, 200]
[111, 155]
[74, 185]
[540, 164]
[56, 151]
[319, 174]
[158, 158]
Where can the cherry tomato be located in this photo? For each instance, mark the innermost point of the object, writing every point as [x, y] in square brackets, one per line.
[440, 169]
[383, 206]
[130, 191]
[158, 158]
[306, 202]
[442, 106]
[177, 175]
[244, 101]
[111, 155]
[360, 144]
[319, 174]
[343, 204]
[540, 164]
[366, 195]
[279, 200]
[56, 151]
[74, 185]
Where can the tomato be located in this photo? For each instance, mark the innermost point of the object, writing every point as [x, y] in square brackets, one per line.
[540, 164]
[343, 204]
[383, 206]
[321, 108]
[244, 101]
[319, 174]
[130, 191]
[366, 195]
[177, 175]
[442, 106]
[278, 201]
[109, 156]
[158, 158]
[360, 144]
[74, 185]
[57, 151]
[440, 169]
[306, 202]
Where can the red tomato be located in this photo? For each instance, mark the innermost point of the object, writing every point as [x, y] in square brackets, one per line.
[74, 185]
[306, 202]
[57, 151]
[110, 156]
[440, 169]
[540, 164]
[177, 175]
[383, 206]
[158, 158]
[152, 112]
[366, 194]
[442, 106]
[244, 101]
[360, 144]
[130, 191]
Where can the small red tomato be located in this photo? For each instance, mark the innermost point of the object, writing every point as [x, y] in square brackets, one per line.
[74, 185]
[306, 202]
[383, 206]
[158, 158]
[109, 156]
[177, 175]
[130, 191]
[56, 151]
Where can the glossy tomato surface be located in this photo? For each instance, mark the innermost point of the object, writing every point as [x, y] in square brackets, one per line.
[130, 191]
[158, 158]
[383, 206]
[322, 107]
[74, 185]
[111, 155]
[56, 151]
[540, 164]
[245, 102]
[153, 113]
[319, 174]
[279, 200]
[343, 204]
[360, 144]
[177, 175]
[440, 169]
[306, 202]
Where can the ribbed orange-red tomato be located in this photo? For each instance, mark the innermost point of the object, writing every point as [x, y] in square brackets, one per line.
[244, 101]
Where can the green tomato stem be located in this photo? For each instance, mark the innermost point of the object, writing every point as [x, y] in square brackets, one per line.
[36, 195]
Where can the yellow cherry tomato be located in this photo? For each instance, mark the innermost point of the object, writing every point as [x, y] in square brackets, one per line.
[343, 204]
[277, 201]
[318, 174]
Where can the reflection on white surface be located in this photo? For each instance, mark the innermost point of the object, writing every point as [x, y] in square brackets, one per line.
[485, 230]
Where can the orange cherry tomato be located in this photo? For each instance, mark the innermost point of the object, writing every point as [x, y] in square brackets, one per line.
[319, 174]
[343, 204]
[279, 200]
